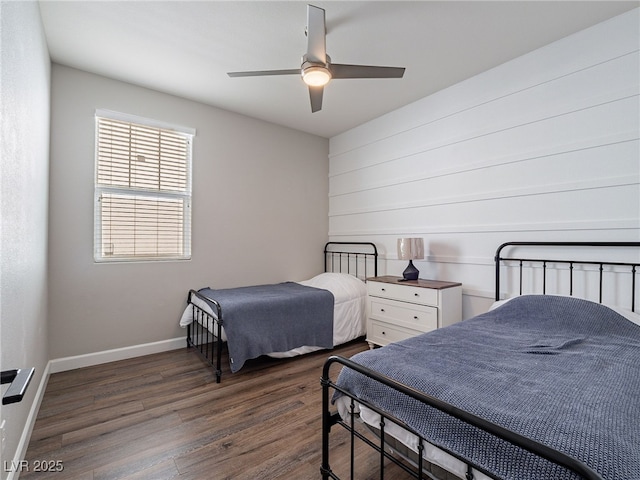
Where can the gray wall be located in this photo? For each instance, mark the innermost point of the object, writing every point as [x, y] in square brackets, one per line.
[544, 147]
[24, 149]
[259, 215]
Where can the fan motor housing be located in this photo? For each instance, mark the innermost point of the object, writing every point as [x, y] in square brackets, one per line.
[315, 74]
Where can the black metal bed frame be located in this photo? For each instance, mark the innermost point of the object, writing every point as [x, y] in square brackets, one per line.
[417, 470]
[544, 262]
[353, 258]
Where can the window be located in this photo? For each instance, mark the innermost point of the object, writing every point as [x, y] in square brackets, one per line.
[142, 189]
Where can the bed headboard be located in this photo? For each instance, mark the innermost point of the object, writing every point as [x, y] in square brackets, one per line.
[359, 259]
[580, 266]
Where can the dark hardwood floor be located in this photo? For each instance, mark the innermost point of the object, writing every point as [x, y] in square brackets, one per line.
[163, 416]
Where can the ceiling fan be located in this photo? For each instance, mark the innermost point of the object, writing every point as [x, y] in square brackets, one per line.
[317, 69]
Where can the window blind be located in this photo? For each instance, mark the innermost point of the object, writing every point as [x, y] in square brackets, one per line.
[143, 192]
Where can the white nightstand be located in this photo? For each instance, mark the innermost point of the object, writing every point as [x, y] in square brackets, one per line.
[398, 310]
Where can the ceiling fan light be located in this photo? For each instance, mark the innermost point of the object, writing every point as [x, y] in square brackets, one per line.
[316, 76]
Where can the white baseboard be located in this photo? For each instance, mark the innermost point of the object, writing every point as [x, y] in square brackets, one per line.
[79, 361]
[97, 358]
[23, 444]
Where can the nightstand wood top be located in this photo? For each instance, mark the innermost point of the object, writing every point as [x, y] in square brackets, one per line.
[434, 284]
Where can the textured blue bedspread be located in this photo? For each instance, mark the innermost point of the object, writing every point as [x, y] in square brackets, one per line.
[263, 319]
[563, 371]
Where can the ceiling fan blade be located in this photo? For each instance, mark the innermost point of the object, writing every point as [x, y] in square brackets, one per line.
[316, 35]
[315, 93]
[365, 71]
[261, 73]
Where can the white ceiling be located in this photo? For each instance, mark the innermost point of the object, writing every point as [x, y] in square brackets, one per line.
[186, 48]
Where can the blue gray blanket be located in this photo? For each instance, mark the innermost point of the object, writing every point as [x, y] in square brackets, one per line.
[563, 371]
[273, 318]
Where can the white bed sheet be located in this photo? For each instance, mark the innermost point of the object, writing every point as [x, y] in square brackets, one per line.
[349, 314]
[431, 453]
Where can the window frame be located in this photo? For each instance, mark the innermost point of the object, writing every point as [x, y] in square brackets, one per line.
[144, 194]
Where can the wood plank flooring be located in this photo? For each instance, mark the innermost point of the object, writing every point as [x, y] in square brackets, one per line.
[163, 416]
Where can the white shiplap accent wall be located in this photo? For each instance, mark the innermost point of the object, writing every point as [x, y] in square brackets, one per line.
[543, 147]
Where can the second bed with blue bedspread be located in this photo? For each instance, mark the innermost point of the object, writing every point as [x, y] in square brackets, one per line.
[521, 366]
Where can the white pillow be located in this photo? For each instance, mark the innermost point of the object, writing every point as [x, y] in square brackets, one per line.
[343, 286]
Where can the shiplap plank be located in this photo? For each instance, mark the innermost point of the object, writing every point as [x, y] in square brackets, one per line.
[605, 83]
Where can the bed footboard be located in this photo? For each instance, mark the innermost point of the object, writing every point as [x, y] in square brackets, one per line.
[204, 333]
[332, 418]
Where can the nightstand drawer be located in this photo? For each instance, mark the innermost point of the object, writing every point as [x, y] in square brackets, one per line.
[382, 333]
[398, 310]
[403, 293]
[405, 314]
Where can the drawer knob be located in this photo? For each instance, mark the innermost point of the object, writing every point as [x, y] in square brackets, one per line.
[384, 333]
[415, 317]
[416, 294]
[383, 289]
[382, 309]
